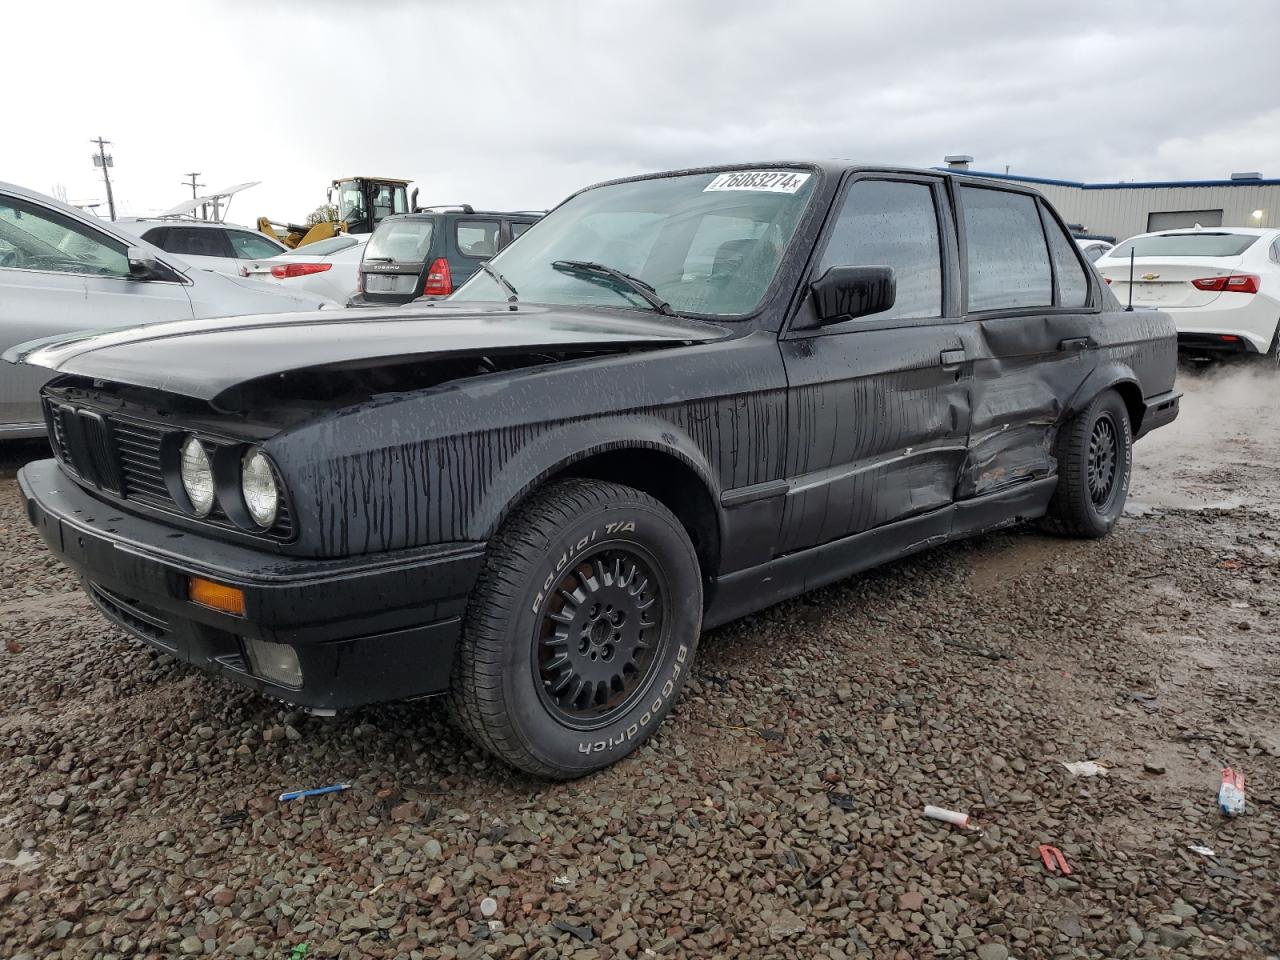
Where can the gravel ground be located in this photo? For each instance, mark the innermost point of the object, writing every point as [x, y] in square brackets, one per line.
[778, 811]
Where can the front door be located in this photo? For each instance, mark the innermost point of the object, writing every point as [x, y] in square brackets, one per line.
[878, 409]
[58, 275]
[1034, 334]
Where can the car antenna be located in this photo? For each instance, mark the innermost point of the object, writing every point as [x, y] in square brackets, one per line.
[1132, 252]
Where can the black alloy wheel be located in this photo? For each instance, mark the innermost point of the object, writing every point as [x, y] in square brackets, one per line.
[599, 635]
[1103, 455]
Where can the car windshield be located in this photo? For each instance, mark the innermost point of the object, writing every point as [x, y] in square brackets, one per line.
[705, 243]
[322, 248]
[1202, 244]
[401, 241]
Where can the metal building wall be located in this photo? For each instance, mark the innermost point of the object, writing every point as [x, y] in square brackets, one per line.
[1122, 211]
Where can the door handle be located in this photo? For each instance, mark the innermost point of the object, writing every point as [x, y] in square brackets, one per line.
[952, 358]
[1077, 343]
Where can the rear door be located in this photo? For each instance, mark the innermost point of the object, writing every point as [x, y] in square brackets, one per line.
[878, 410]
[205, 248]
[1035, 331]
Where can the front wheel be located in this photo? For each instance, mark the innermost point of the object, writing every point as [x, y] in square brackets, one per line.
[580, 631]
[1095, 459]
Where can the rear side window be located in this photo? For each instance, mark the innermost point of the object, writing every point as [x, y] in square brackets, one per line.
[1073, 285]
[401, 241]
[198, 242]
[159, 236]
[253, 246]
[1007, 255]
[477, 238]
[1185, 245]
[895, 224]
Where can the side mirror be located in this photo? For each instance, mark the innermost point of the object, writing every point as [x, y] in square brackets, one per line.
[845, 293]
[143, 266]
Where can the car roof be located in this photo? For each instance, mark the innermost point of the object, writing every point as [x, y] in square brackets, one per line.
[179, 222]
[830, 167]
[429, 214]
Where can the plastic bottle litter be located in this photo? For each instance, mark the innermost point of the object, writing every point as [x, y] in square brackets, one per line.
[947, 816]
[1231, 793]
[488, 907]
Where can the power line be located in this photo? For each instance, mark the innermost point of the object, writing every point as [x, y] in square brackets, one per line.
[104, 161]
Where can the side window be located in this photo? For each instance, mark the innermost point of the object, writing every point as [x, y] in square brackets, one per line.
[198, 242]
[34, 238]
[518, 227]
[1275, 251]
[1008, 258]
[892, 223]
[251, 246]
[477, 238]
[1073, 285]
[157, 235]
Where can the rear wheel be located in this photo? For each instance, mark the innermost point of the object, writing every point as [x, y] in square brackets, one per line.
[1095, 458]
[580, 630]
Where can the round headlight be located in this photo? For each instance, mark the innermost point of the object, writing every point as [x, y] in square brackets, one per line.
[258, 484]
[197, 476]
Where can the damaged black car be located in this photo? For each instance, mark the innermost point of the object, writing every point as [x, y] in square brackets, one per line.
[675, 400]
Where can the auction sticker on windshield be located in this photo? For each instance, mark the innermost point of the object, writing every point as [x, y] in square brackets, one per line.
[771, 181]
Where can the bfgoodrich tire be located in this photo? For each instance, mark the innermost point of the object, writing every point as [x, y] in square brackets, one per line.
[580, 631]
[1095, 460]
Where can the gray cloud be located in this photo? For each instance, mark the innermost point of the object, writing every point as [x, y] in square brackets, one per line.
[518, 104]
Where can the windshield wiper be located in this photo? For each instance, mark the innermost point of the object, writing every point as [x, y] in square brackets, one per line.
[600, 271]
[377, 259]
[512, 296]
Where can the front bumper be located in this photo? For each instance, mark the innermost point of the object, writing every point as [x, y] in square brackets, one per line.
[365, 629]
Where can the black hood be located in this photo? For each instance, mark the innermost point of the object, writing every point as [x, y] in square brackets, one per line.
[205, 359]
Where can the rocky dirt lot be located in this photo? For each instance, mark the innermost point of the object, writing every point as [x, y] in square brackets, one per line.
[777, 813]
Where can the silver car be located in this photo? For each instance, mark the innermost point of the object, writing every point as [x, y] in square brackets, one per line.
[62, 270]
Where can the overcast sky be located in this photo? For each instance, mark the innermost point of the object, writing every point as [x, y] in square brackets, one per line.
[518, 104]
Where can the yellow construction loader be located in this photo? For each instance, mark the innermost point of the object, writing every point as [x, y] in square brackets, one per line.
[361, 203]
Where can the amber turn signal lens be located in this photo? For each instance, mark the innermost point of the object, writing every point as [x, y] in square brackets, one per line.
[215, 596]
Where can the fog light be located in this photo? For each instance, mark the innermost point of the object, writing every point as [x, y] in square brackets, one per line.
[277, 662]
[216, 596]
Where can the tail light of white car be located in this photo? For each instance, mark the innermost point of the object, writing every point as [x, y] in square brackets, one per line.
[282, 271]
[1236, 283]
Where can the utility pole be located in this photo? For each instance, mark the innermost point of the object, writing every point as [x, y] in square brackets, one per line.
[104, 161]
[193, 185]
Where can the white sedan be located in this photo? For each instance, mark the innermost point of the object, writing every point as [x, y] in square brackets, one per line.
[326, 268]
[1221, 285]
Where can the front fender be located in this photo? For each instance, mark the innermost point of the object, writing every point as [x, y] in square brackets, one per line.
[559, 449]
